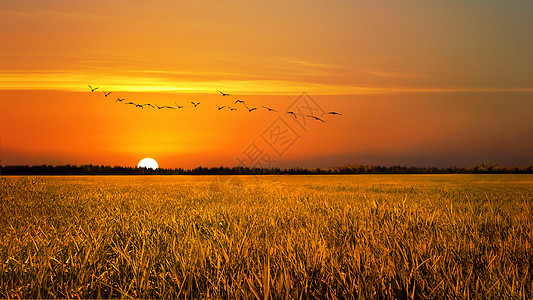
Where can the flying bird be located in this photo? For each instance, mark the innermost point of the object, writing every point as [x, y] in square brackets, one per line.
[178, 106]
[106, 94]
[269, 109]
[130, 103]
[223, 94]
[93, 89]
[220, 107]
[166, 106]
[148, 104]
[240, 101]
[232, 108]
[333, 113]
[292, 113]
[120, 100]
[195, 104]
[316, 118]
[139, 105]
[250, 109]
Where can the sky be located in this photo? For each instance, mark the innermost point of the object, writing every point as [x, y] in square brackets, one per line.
[418, 83]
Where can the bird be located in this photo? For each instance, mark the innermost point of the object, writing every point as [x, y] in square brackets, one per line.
[316, 118]
[240, 101]
[333, 113]
[269, 109]
[250, 109]
[292, 113]
[232, 108]
[148, 104]
[178, 106]
[139, 105]
[120, 100]
[106, 94]
[93, 89]
[223, 94]
[130, 103]
[220, 107]
[166, 106]
[195, 104]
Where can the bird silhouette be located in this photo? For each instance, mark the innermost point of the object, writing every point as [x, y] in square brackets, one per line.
[333, 113]
[316, 118]
[223, 94]
[166, 106]
[292, 113]
[269, 109]
[250, 109]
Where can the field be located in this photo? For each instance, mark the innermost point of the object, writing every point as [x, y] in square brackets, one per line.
[290, 237]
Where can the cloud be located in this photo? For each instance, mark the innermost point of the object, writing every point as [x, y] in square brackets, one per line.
[313, 64]
[389, 74]
[49, 14]
[201, 82]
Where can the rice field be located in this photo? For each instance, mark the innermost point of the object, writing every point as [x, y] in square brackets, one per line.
[261, 237]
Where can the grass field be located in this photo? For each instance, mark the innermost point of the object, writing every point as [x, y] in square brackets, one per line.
[290, 237]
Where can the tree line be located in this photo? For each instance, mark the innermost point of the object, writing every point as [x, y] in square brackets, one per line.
[347, 169]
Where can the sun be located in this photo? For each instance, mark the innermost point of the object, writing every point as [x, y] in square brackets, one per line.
[148, 163]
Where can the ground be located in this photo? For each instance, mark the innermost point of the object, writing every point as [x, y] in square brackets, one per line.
[390, 236]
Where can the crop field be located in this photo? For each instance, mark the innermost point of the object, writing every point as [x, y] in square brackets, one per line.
[280, 237]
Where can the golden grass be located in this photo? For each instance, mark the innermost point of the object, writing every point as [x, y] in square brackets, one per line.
[366, 236]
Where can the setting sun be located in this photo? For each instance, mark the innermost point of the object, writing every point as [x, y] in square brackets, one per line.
[148, 163]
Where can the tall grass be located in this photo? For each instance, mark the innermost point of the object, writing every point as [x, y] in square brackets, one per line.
[442, 236]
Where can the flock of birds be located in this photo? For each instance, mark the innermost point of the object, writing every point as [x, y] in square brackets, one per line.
[195, 104]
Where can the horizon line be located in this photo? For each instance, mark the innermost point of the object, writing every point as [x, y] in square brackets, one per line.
[484, 164]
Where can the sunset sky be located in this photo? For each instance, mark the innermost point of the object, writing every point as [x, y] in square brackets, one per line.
[421, 83]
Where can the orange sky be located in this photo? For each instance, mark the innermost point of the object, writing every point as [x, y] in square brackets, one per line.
[418, 83]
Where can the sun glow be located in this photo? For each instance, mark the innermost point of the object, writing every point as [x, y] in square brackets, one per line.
[148, 163]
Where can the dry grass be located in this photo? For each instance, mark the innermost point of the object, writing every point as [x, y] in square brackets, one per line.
[442, 236]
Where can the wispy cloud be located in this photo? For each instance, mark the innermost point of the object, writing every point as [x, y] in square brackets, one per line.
[313, 64]
[389, 74]
[49, 14]
[74, 81]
